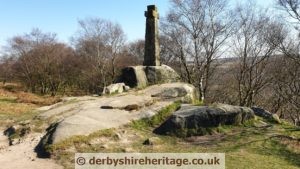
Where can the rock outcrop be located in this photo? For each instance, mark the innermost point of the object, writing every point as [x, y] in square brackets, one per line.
[142, 76]
[184, 92]
[266, 114]
[199, 120]
[85, 115]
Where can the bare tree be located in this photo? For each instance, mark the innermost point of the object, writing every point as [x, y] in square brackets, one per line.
[99, 42]
[137, 49]
[199, 29]
[291, 7]
[286, 85]
[254, 41]
[6, 68]
[287, 80]
[290, 47]
[116, 42]
[40, 61]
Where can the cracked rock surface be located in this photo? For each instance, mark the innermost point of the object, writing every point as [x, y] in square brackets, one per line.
[85, 115]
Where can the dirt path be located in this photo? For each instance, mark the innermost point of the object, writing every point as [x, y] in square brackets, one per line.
[22, 155]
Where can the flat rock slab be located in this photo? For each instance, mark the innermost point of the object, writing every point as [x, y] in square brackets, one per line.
[90, 120]
[180, 91]
[85, 115]
[196, 120]
[128, 102]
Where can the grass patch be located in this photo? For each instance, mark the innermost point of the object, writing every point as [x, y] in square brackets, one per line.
[75, 140]
[245, 146]
[157, 119]
[198, 103]
[8, 99]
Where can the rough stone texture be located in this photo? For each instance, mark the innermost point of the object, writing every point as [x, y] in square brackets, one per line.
[151, 57]
[134, 76]
[127, 102]
[16, 133]
[184, 92]
[142, 76]
[89, 121]
[152, 141]
[115, 88]
[85, 115]
[265, 114]
[196, 120]
[161, 74]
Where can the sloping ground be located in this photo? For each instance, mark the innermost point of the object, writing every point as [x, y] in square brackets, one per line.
[261, 145]
[75, 116]
[17, 106]
[85, 115]
[22, 155]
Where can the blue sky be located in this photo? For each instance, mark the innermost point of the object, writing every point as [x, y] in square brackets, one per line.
[60, 16]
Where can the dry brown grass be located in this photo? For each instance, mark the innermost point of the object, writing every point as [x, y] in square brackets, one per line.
[17, 105]
[15, 91]
[24, 97]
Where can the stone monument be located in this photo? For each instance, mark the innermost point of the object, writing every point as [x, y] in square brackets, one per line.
[151, 57]
[152, 72]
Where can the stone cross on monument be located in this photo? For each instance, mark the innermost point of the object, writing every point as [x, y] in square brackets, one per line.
[151, 57]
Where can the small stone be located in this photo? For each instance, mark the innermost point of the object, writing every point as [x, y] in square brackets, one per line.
[132, 107]
[117, 136]
[128, 150]
[23, 123]
[276, 118]
[152, 141]
[114, 88]
[104, 146]
[126, 88]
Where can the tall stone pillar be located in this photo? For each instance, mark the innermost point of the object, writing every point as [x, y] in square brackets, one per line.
[151, 57]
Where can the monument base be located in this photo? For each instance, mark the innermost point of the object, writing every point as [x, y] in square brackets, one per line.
[142, 76]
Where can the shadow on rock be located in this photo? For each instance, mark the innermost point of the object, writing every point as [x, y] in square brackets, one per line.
[46, 140]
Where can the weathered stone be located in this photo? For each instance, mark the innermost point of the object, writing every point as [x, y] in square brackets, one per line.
[115, 88]
[128, 150]
[132, 107]
[16, 132]
[161, 74]
[85, 115]
[151, 57]
[198, 120]
[126, 88]
[266, 114]
[104, 146]
[183, 92]
[152, 141]
[117, 136]
[134, 76]
[142, 76]
[128, 102]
